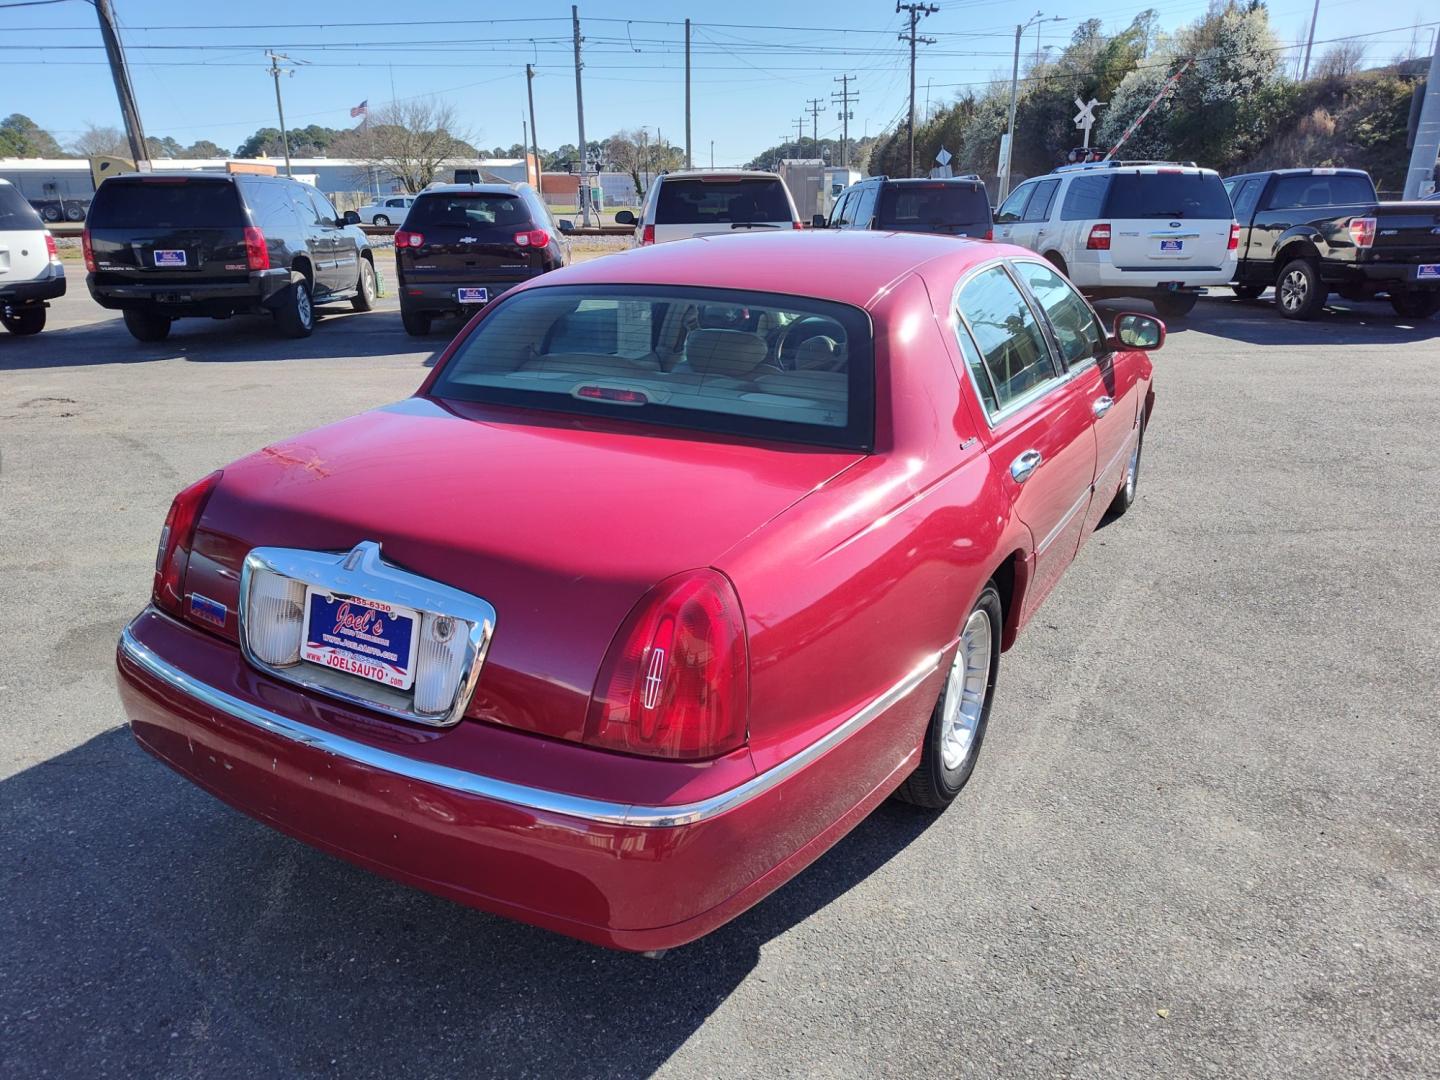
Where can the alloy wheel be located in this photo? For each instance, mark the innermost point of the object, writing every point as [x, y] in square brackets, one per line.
[1293, 290]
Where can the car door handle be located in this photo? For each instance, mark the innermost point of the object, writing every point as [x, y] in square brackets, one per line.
[1102, 405]
[1025, 464]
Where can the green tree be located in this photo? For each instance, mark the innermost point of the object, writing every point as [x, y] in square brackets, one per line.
[22, 137]
[204, 148]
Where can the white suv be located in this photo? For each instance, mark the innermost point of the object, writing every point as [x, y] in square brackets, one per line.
[1124, 228]
[30, 268]
[680, 205]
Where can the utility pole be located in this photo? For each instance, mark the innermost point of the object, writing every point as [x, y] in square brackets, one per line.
[534, 138]
[688, 163]
[275, 72]
[712, 153]
[814, 110]
[580, 112]
[120, 72]
[1310, 42]
[915, 12]
[1014, 101]
[845, 97]
[800, 137]
[1427, 132]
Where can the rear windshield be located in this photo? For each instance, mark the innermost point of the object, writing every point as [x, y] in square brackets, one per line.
[714, 202]
[933, 207]
[164, 202]
[471, 212]
[15, 212]
[1317, 189]
[1167, 195]
[759, 364]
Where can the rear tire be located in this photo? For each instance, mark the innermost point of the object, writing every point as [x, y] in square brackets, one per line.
[380, 219]
[25, 322]
[1415, 305]
[1175, 305]
[957, 724]
[1299, 292]
[145, 325]
[1248, 292]
[364, 299]
[416, 323]
[295, 315]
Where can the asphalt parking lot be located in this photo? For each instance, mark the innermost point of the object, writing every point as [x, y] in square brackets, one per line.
[1201, 841]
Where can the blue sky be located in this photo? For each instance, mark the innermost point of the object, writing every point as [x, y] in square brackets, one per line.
[200, 71]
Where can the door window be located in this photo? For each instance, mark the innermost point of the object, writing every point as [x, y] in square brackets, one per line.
[864, 210]
[1076, 328]
[1016, 357]
[1038, 209]
[1013, 208]
[1084, 197]
[838, 218]
[1245, 196]
[324, 211]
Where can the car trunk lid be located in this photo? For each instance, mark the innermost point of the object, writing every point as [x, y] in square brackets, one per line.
[561, 524]
[1407, 232]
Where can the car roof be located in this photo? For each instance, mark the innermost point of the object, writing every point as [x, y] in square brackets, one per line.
[847, 266]
[719, 174]
[476, 189]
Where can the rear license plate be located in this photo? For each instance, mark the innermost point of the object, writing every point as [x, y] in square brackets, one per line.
[1171, 245]
[473, 296]
[169, 258]
[1428, 272]
[367, 638]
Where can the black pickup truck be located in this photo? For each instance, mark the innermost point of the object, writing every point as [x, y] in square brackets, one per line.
[1308, 231]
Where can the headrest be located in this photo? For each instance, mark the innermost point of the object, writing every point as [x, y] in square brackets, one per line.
[735, 353]
[816, 352]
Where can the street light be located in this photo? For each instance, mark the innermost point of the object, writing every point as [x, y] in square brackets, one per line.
[1038, 17]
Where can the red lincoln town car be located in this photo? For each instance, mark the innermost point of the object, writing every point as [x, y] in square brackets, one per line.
[677, 564]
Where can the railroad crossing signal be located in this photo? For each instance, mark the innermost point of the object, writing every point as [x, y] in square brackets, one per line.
[1085, 118]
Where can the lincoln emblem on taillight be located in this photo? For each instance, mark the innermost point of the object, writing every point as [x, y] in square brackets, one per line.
[654, 678]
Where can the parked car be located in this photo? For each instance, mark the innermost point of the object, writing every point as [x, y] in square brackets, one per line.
[386, 210]
[462, 245]
[689, 203]
[1157, 230]
[31, 272]
[1308, 231]
[165, 246]
[674, 567]
[957, 206]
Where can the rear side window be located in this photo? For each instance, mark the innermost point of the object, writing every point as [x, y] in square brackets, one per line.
[926, 207]
[1084, 198]
[15, 212]
[472, 213]
[1038, 208]
[779, 367]
[163, 202]
[1012, 345]
[863, 212]
[1167, 195]
[1244, 197]
[704, 202]
[1076, 328]
[1313, 190]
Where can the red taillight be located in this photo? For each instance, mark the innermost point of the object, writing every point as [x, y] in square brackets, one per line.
[990, 234]
[799, 225]
[1362, 231]
[408, 239]
[257, 252]
[532, 238]
[176, 538]
[87, 249]
[1234, 237]
[1099, 239]
[676, 682]
[647, 235]
[50, 249]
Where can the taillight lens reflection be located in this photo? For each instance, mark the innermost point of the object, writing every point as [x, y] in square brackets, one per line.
[647, 235]
[257, 252]
[1234, 237]
[1099, 239]
[408, 239]
[676, 682]
[1362, 232]
[176, 538]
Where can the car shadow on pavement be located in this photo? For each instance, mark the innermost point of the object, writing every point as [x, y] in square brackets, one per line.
[243, 338]
[153, 931]
[1343, 322]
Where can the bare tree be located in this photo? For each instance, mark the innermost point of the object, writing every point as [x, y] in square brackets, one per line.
[409, 141]
[1343, 60]
[101, 141]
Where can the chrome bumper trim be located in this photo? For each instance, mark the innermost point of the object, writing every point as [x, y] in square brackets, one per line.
[530, 798]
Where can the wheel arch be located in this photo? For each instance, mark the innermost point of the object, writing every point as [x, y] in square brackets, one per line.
[1011, 577]
[1292, 247]
[303, 264]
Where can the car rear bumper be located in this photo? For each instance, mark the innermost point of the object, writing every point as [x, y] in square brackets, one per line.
[1103, 274]
[181, 298]
[1390, 273]
[34, 291]
[390, 799]
[443, 296]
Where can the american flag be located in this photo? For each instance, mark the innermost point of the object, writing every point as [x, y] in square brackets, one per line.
[363, 109]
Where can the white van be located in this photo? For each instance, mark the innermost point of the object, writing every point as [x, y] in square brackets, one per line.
[1158, 230]
[30, 269]
[680, 205]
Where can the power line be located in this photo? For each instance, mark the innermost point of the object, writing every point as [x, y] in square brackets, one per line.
[916, 13]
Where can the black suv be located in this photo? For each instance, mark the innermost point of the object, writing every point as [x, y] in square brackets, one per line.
[955, 206]
[164, 246]
[462, 245]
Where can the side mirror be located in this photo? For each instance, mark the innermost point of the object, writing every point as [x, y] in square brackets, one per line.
[817, 221]
[1143, 332]
[566, 226]
[351, 218]
[625, 217]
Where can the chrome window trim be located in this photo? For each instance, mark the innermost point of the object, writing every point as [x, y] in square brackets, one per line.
[362, 572]
[599, 811]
